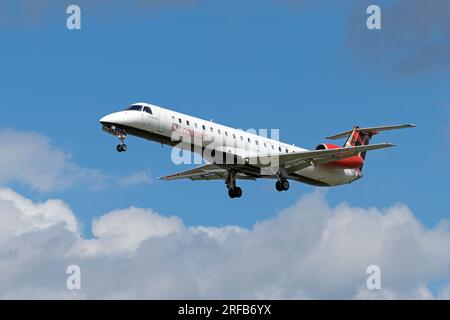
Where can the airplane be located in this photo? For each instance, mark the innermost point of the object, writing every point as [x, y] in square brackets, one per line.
[232, 154]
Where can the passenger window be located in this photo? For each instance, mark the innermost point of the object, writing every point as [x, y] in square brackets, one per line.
[257, 143]
[195, 124]
[212, 130]
[234, 136]
[187, 122]
[204, 127]
[218, 130]
[272, 147]
[279, 148]
[179, 120]
[249, 140]
[287, 151]
[242, 138]
[226, 133]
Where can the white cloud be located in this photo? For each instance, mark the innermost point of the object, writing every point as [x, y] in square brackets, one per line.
[32, 161]
[20, 216]
[123, 231]
[444, 293]
[310, 250]
[141, 177]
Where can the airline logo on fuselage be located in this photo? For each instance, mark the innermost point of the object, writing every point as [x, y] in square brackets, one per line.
[186, 131]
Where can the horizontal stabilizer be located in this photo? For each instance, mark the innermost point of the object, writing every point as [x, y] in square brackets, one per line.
[372, 131]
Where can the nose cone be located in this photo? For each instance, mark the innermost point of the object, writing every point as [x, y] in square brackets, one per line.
[112, 119]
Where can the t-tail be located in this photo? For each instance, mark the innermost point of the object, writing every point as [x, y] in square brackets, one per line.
[362, 136]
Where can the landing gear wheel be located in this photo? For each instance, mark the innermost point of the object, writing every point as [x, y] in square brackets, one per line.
[282, 185]
[235, 192]
[285, 185]
[278, 186]
[121, 147]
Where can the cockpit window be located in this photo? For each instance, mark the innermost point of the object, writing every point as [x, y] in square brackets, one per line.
[134, 108]
[148, 110]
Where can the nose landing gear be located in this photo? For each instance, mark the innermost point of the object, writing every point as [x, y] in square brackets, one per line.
[122, 147]
[117, 132]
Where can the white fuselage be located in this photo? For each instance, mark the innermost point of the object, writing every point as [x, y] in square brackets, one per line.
[170, 127]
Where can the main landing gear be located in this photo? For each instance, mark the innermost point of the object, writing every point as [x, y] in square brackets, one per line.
[122, 147]
[233, 190]
[282, 185]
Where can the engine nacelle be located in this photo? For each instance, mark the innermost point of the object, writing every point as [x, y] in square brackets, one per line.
[348, 163]
[326, 146]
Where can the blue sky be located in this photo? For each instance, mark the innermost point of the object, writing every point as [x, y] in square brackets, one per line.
[302, 68]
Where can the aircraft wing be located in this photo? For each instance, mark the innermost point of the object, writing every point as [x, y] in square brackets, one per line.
[300, 160]
[290, 161]
[205, 172]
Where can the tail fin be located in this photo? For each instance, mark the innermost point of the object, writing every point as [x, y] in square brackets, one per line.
[358, 138]
[361, 136]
